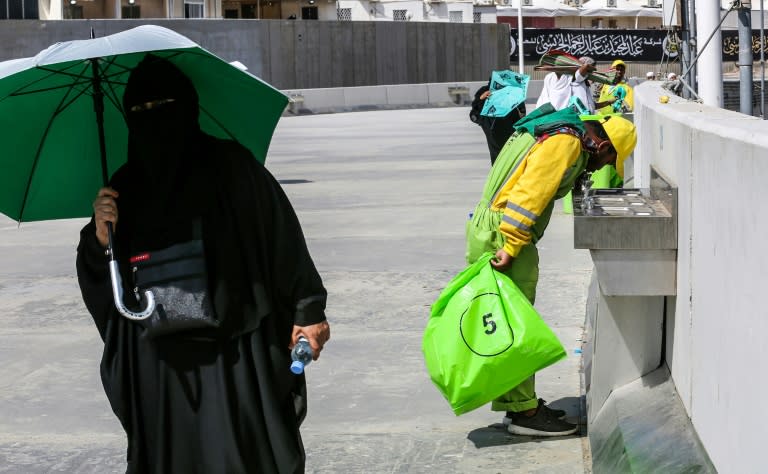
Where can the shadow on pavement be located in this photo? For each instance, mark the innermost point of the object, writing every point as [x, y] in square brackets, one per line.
[570, 404]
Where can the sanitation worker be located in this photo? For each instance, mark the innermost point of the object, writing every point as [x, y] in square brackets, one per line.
[617, 97]
[510, 222]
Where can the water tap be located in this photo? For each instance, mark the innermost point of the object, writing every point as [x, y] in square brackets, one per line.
[587, 193]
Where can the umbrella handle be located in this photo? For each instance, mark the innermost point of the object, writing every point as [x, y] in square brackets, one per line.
[117, 293]
[114, 272]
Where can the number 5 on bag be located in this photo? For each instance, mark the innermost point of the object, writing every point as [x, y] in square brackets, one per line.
[484, 338]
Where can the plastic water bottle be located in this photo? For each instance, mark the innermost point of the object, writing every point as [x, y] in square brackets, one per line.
[301, 355]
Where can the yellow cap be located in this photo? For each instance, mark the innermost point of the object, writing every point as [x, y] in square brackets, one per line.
[622, 134]
[618, 62]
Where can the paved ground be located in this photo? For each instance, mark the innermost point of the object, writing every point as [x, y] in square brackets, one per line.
[383, 197]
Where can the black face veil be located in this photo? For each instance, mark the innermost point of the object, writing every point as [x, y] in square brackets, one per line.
[161, 108]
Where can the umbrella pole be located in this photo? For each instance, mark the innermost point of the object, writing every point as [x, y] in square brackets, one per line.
[114, 271]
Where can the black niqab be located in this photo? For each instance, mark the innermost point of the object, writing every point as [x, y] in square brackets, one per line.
[161, 110]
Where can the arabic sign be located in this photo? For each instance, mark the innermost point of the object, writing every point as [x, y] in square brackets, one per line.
[731, 45]
[601, 45]
[629, 45]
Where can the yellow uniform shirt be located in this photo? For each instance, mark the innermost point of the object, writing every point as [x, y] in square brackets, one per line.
[606, 93]
[532, 186]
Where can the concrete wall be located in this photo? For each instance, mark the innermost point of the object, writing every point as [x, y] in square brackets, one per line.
[309, 54]
[345, 99]
[717, 322]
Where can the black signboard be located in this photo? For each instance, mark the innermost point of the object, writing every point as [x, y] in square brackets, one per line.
[731, 45]
[601, 45]
[607, 45]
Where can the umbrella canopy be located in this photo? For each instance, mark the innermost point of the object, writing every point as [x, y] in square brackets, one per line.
[508, 90]
[51, 165]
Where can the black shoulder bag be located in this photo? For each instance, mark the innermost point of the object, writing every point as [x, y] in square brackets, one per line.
[178, 278]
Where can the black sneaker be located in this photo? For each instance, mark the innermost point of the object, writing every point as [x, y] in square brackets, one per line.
[555, 412]
[540, 424]
[542, 405]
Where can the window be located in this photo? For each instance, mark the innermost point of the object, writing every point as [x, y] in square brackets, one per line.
[344, 14]
[400, 15]
[248, 11]
[194, 9]
[456, 17]
[476, 17]
[612, 24]
[309, 13]
[131, 11]
[230, 13]
[18, 10]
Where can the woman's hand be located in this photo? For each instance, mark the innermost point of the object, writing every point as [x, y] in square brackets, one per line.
[317, 335]
[105, 210]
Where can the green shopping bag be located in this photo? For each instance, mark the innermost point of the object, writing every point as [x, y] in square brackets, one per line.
[484, 338]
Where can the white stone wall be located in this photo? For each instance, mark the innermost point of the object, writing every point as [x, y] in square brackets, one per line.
[384, 11]
[716, 348]
[361, 11]
[424, 10]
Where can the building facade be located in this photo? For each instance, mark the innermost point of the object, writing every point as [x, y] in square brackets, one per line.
[537, 13]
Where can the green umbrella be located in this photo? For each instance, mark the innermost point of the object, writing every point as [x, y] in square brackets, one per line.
[63, 129]
[51, 164]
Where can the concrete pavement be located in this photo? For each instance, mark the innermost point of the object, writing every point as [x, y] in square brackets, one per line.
[383, 198]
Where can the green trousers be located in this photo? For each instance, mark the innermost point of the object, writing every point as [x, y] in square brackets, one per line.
[525, 273]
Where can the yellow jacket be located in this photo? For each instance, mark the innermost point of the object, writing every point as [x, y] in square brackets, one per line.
[531, 188]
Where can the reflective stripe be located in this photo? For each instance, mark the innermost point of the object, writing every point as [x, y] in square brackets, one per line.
[516, 223]
[522, 210]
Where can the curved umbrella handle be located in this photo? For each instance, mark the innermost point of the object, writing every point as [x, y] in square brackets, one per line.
[117, 293]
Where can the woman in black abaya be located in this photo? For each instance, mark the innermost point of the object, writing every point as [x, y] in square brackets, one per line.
[222, 399]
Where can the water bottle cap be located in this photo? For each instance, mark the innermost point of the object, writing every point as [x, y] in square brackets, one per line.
[297, 367]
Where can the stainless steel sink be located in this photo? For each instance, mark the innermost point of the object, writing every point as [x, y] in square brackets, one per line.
[623, 218]
[616, 211]
[633, 200]
[632, 237]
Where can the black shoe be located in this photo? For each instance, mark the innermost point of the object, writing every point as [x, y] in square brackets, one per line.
[555, 412]
[542, 406]
[540, 424]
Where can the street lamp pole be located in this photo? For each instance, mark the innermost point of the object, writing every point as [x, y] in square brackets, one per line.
[520, 35]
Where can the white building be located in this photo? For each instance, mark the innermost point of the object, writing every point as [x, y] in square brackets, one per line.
[537, 13]
[626, 14]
